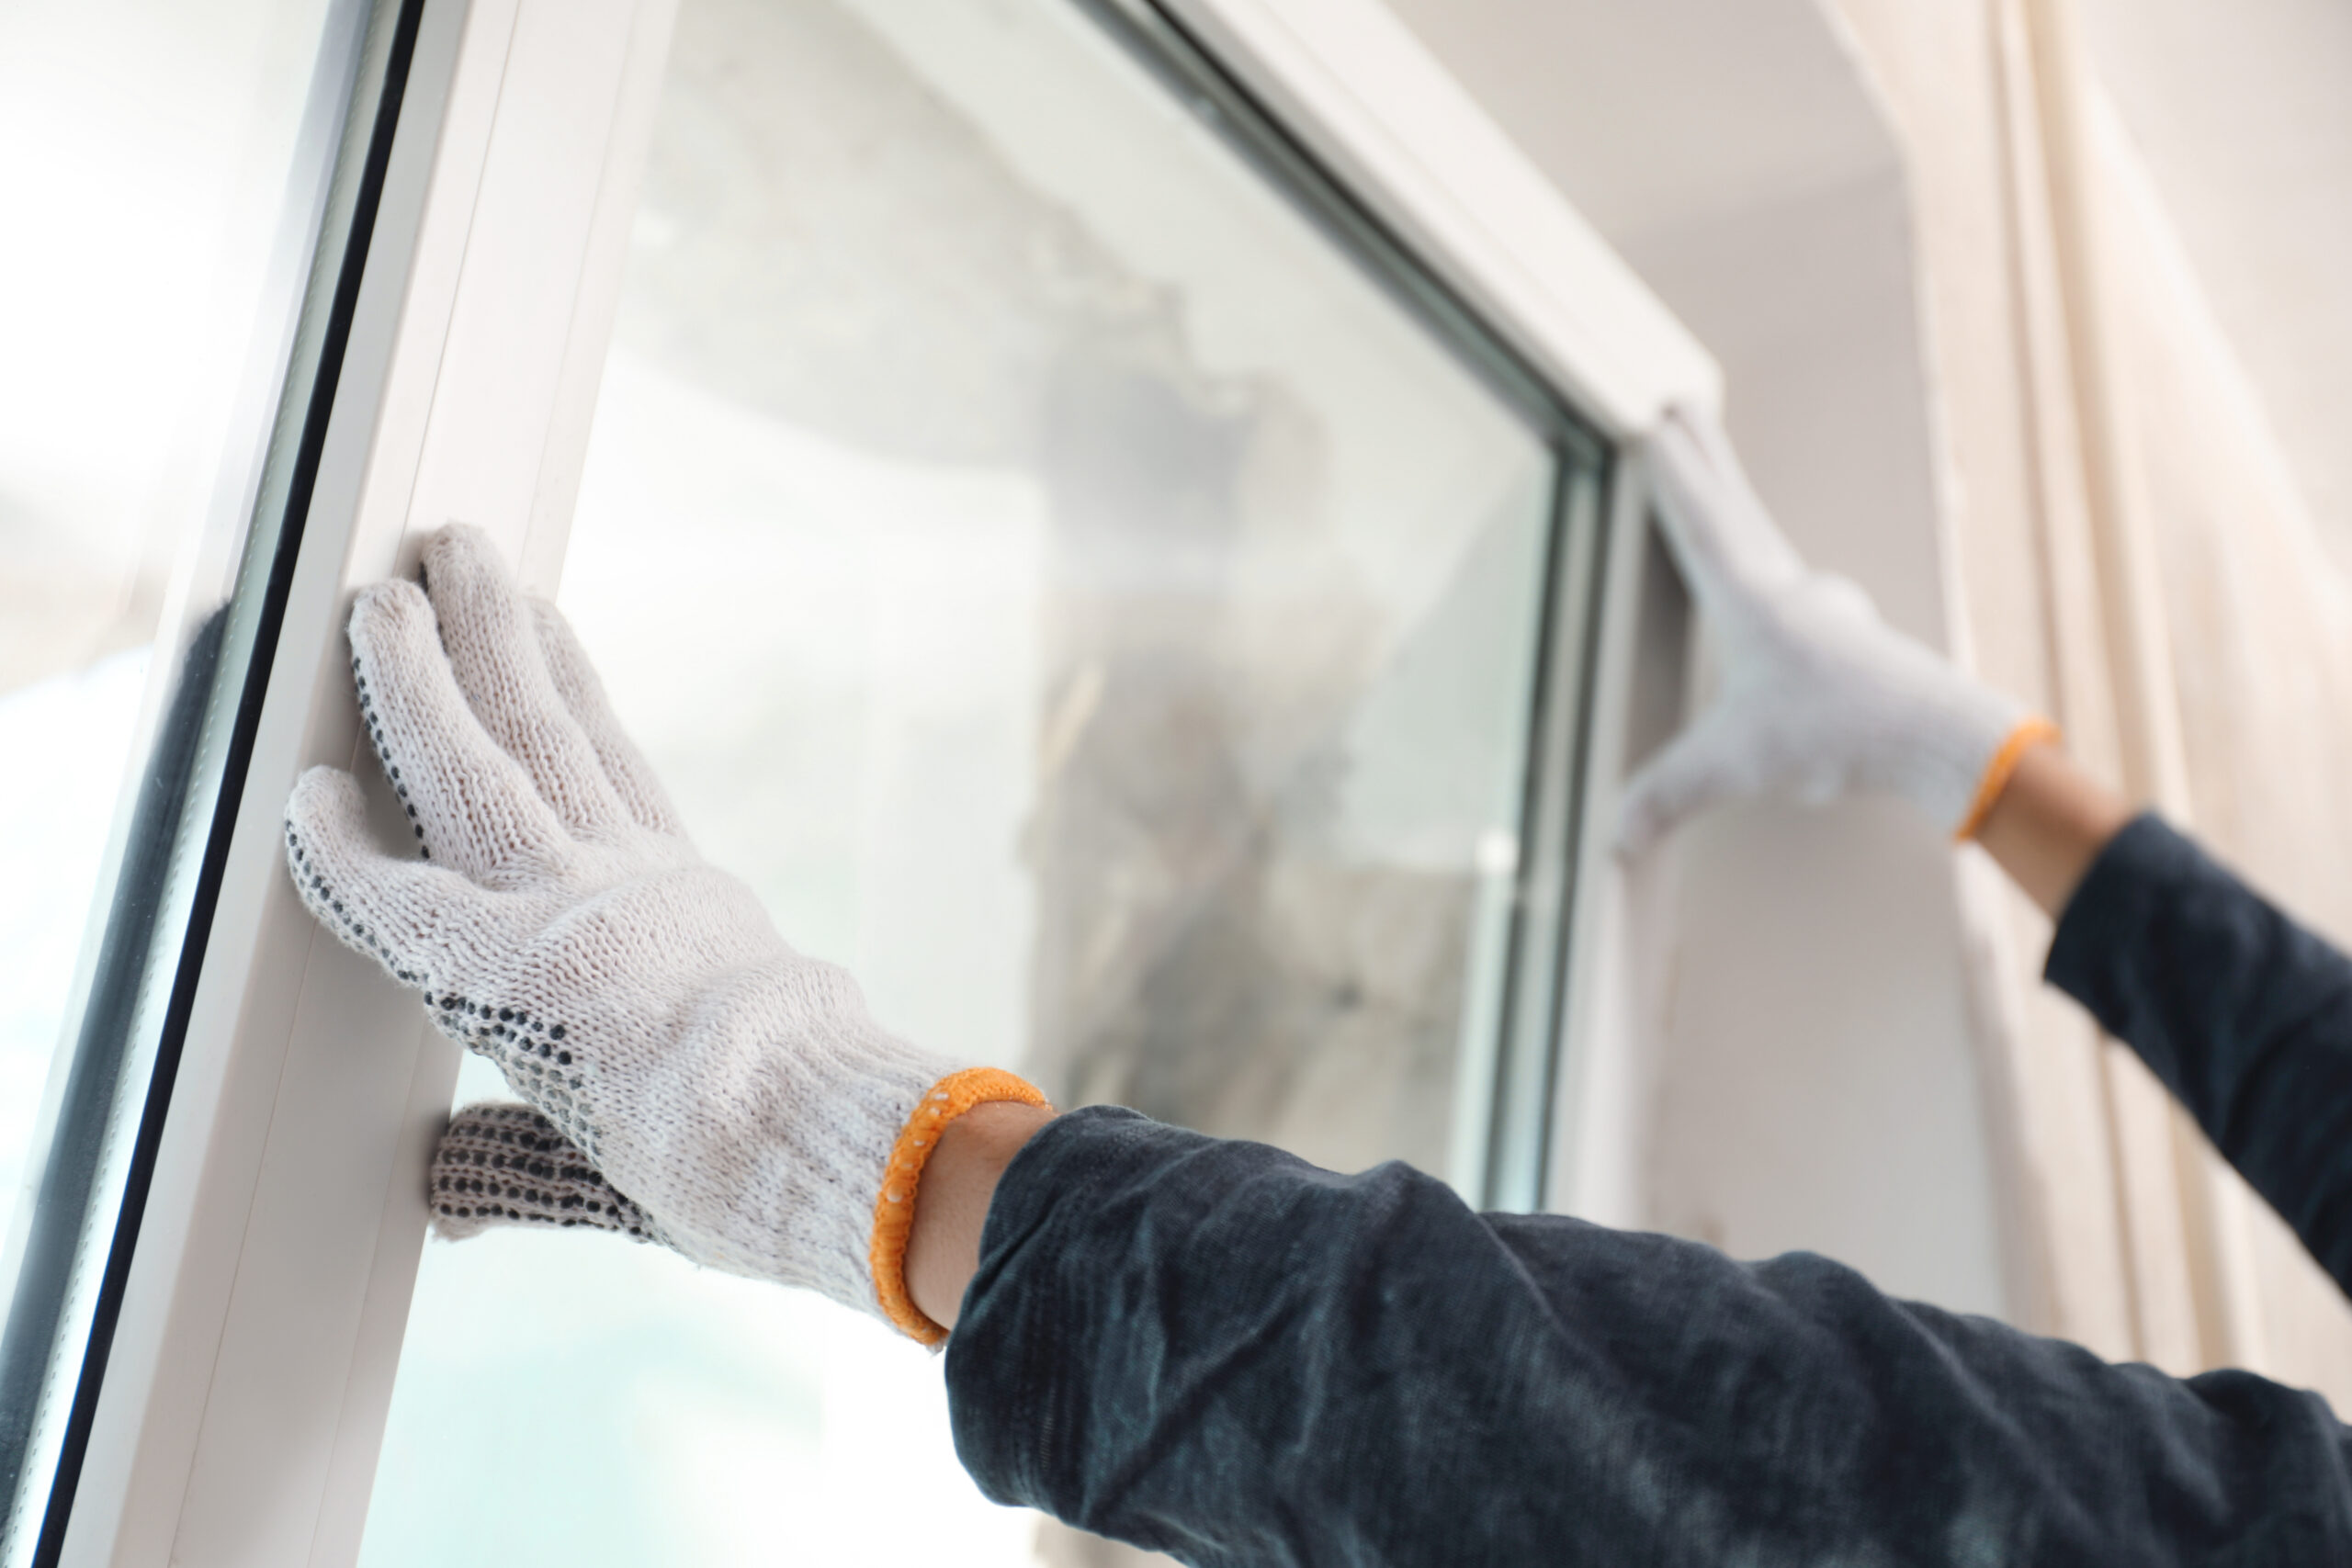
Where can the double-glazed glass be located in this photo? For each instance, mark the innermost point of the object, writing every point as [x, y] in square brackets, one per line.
[168, 169]
[1047, 557]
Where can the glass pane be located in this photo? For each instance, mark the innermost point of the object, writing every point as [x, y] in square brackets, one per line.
[164, 168]
[1078, 596]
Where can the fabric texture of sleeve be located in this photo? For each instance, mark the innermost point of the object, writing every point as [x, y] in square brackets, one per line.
[2244, 1015]
[1214, 1349]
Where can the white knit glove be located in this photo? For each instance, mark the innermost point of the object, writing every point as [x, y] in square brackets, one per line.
[1820, 698]
[561, 924]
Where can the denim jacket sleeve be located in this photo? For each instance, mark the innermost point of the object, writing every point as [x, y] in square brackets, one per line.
[2244, 1015]
[1211, 1349]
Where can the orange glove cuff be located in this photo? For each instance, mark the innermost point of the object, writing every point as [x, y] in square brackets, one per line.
[894, 1206]
[2011, 752]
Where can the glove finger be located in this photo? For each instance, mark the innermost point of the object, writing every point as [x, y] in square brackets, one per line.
[494, 652]
[394, 910]
[1701, 767]
[625, 767]
[470, 804]
[1728, 546]
[506, 1165]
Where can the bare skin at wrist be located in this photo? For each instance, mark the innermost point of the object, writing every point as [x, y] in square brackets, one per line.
[2050, 823]
[952, 1202]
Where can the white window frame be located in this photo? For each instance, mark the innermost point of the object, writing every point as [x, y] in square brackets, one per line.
[245, 1399]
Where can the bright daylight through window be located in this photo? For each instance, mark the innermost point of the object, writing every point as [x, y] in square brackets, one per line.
[1078, 596]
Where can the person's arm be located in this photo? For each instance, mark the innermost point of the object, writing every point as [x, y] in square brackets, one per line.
[2245, 1017]
[1208, 1347]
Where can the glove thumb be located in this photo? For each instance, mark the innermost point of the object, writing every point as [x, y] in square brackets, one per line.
[507, 1164]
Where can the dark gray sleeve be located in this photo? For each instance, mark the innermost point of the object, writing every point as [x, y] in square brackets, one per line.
[1214, 1349]
[2244, 1015]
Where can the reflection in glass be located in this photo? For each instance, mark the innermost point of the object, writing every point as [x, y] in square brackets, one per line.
[163, 170]
[1077, 597]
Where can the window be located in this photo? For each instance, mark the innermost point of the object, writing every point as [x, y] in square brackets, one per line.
[1084, 595]
[1124, 587]
[166, 303]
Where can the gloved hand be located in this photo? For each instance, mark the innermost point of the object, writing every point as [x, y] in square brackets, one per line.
[561, 924]
[1820, 698]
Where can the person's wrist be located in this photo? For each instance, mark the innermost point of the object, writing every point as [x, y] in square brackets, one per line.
[2048, 823]
[935, 1193]
[2023, 735]
[951, 1205]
